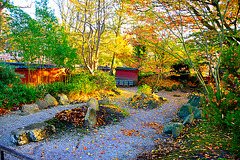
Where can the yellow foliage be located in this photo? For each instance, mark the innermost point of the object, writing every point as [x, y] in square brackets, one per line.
[151, 80]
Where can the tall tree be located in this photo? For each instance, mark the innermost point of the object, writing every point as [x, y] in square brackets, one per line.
[40, 39]
[85, 21]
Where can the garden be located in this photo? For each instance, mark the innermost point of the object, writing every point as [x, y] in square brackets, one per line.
[186, 56]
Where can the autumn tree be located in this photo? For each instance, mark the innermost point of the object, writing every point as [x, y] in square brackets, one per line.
[40, 39]
[117, 19]
[85, 21]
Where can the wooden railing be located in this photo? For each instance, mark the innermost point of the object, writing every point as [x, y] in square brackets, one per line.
[13, 153]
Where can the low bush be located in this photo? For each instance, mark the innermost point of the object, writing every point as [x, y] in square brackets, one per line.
[13, 94]
[222, 109]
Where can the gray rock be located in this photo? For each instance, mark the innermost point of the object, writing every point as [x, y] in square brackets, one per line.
[189, 119]
[19, 136]
[144, 96]
[105, 101]
[91, 117]
[194, 100]
[30, 108]
[168, 128]
[163, 98]
[168, 89]
[51, 101]
[180, 86]
[185, 110]
[62, 99]
[174, 87]
[177, 129]
[93, 103]
[198, 114]
[32, 133]
[42, 104]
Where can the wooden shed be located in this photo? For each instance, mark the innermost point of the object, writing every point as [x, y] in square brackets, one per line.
[126, 76]
[39, 73]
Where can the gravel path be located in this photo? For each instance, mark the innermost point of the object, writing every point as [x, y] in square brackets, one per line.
[123, 140]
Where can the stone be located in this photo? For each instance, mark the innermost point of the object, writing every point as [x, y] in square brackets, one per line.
[39, 131]
[19, 136]
[194, 100]
[30, 108]
[180, 86]
[42, 104]
[185, 110]
[177, 129]
[163, 99]
[168, 89]
[144, 96]
[91, 118]
[105, 101]
[168, 128]
[62, 99]
[31, 133]
[198, 114]
[174, 87]
[51, 101]
[151, 104]
[93, 103]
[159, 88]
[189, 119]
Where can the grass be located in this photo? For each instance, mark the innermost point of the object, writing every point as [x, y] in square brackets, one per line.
[202, 141]
[199, 140]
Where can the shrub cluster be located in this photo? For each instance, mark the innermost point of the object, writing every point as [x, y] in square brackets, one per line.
[13, 94]
[222, 107]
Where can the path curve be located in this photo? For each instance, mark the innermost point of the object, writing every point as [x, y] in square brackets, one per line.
[123, 140]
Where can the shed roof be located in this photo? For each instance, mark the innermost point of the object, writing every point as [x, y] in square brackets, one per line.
[126, 68]
[30, 65]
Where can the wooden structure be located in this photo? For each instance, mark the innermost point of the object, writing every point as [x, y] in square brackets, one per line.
[126, 76]
[104, 68]
[39, 73]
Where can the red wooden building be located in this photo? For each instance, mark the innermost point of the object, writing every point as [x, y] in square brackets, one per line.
[39, 73]
[126, 76]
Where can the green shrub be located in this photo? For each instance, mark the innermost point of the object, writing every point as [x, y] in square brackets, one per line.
[84, 82]
[8, 75]
[16, 95]
[58, 88]
[230, 60]
[145, 89]
[222, 109]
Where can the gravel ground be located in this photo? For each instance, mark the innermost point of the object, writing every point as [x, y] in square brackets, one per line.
[108, 142]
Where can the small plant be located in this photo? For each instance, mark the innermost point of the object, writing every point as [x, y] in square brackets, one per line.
[8, 75]
[145, 89]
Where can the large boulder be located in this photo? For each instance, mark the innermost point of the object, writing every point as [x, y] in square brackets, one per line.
[30, 108]
[93, 103]
[189, 119]
[91, 117]
[198, 113]
[174, 87]
[51, 101]
[168, 128]
[42, 104]
[19, 136]
[168, 89]
[195, 100]
[32, 133]
[177, 129]
[62, 99]
[104, 101]
[185, 110]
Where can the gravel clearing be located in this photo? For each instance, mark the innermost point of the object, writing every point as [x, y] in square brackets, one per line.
[123, 140]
